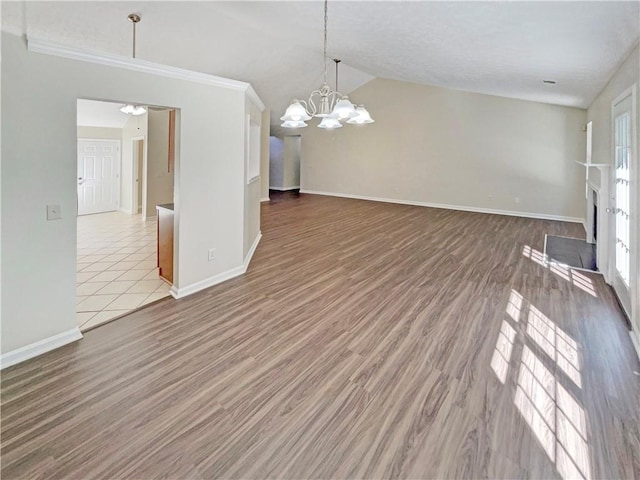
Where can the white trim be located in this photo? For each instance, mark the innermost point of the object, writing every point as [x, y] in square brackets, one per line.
[596, 165]
[627, 292]
[540, 216]
[284, 189]
[220, 277]
[253, 180]
[38, 348]
[636, 342]
[252, 250]
[593, 186]
[265, 199]
[253, 96]
[118, 61]
[206, 283]
[150, 219]
[134, 173]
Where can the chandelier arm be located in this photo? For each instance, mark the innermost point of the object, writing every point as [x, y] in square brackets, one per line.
[333, 98]
[309, 107]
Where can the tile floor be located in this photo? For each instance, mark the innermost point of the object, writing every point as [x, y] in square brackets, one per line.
[116, 267]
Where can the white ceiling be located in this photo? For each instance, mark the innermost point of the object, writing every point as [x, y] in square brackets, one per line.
[499, 48]
[100, 114]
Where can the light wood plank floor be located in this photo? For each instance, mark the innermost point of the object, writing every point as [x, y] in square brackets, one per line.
[367, 340]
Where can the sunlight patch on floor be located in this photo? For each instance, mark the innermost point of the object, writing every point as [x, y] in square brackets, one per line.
[554, 416]
[565, 272]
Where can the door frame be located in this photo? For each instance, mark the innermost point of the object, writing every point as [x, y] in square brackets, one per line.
[634, 203]
[134, 171]
[119, 169]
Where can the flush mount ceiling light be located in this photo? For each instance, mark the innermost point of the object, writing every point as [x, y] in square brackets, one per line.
[330, 105]
[130, 109]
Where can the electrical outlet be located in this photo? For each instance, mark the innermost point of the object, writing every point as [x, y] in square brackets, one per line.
[212, 254]
[489, 197]
[516, 199]
[54, 212]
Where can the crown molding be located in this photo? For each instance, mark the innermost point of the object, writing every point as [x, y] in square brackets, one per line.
[143, 66]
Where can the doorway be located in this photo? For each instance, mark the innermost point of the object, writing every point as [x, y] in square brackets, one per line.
[137, 153]
[623, 195]
[117, 249]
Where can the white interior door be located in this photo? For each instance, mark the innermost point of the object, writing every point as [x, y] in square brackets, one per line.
[98, 176]
[623, 164]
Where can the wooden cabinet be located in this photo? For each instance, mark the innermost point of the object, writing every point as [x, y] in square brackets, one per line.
[165, 241]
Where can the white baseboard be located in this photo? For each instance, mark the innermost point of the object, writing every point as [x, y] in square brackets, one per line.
[150, 219]
[252, 250]
[284, 189]
[38, 348]
[219, 278]
[636, 342]
[540, 216]
[265, 199]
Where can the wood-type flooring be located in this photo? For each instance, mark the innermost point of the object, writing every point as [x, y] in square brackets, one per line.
[366, 340]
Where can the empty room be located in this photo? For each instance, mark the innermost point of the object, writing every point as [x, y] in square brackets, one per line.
[369, 240]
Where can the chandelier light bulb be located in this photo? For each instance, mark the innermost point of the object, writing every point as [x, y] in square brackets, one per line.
[295, 113]
[344, 109]
[362, 118]
[293, 124]
[329, 123]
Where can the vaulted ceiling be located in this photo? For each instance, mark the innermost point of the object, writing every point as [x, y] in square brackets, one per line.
[498, 48]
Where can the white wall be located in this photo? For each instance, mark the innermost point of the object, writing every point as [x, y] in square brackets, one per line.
[600, 114]
[159, 180]
[276, 163]
[103, 133]
[39, 92]
[440, 146]
[136, 126]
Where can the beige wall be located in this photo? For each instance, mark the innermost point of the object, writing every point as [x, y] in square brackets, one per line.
[264, 155]
[102, 133]
[291, 171]
[433, 145]
[599, 113]
[158, 179]
[276, 162]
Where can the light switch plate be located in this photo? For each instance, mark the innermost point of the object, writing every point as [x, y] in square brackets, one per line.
[54, 212]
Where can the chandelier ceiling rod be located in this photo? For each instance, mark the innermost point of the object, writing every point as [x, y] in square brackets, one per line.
[134, 19]
[326, 19]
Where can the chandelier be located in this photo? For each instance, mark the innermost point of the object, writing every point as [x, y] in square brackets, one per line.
[330, 105]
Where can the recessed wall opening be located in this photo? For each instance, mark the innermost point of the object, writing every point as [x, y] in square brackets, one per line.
[125, 193]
